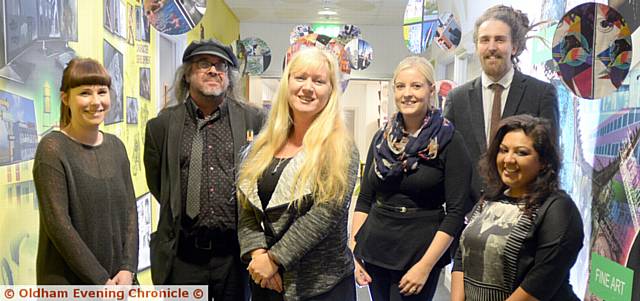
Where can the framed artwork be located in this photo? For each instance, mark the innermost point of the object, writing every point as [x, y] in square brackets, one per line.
[18, 134]
[131, 24]
[113, 61]
[142, 31]
[145, 85]
[143, 204]
[132, 110]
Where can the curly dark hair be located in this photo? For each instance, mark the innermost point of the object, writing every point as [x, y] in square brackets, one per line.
[545, 144]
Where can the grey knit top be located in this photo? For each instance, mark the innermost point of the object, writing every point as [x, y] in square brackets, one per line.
[88, 215]
[311, 241]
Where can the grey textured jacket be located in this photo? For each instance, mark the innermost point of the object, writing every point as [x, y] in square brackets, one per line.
[310, 242]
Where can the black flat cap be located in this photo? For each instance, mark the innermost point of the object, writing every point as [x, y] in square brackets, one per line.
[212, 47]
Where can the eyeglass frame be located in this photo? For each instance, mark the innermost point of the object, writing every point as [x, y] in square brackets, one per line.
[205, 65]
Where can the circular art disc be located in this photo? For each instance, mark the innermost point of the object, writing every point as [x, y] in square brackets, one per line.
[173, 17]
[299, 31]
[592, 47]
[347, 33]
[338, 50]
[326, 43]
[360, 54]
[310, 40]
[240, 52]
[257, 54]
[448, 33]
[420, 23]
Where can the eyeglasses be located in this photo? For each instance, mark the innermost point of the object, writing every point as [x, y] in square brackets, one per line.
[205, 65]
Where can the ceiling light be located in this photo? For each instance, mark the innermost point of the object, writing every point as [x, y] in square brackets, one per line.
[327, 12]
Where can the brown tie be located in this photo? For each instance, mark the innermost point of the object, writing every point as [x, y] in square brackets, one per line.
[496, 109]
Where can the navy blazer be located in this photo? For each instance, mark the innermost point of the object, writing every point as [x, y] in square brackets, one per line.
[463, 108]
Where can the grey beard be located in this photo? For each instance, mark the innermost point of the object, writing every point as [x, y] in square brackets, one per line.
[216, 92]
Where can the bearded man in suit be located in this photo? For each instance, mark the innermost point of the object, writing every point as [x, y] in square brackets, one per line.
[476, 107]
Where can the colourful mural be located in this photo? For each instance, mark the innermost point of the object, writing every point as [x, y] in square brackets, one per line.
[41, 37]
[592, 46]
[600, 119]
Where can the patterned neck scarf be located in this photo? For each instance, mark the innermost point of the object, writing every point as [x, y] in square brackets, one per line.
[397, 152]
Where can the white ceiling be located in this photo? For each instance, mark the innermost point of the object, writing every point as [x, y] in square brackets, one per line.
[358, 12]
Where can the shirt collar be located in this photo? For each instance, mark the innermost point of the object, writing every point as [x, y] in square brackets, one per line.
[505, 81]
[195, 112]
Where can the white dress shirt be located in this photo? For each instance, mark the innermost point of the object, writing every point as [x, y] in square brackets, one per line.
[487, 97]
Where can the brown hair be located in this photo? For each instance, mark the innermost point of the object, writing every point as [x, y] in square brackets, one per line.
[545, 144]
[81, 71]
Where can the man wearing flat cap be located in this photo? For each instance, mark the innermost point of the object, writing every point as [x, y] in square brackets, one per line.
[191, 156]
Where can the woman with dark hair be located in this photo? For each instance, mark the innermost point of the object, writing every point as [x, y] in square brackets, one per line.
[524, 235]
[88, 217]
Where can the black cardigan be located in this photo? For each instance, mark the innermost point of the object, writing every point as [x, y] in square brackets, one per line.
[549, 250]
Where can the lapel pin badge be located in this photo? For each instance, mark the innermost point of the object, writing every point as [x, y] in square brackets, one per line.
[249, 135]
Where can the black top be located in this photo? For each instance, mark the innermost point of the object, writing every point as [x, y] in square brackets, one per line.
[217, 205]
[397, 240]
[535, 253]
[269, 180]
[88, 215]
[310, 237]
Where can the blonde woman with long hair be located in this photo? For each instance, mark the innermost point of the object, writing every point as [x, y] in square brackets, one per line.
[417, 164]
[295, 188]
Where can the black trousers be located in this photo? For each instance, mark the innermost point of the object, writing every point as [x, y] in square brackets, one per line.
[225, 275]
[345, 290]
[384, 285]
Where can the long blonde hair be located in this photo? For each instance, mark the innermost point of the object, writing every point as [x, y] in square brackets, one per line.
[326, 145]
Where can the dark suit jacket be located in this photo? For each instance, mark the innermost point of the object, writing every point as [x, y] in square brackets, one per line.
[162, 165]
[463, 108]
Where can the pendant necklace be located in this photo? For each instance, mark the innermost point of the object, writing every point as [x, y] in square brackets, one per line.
[280, 160]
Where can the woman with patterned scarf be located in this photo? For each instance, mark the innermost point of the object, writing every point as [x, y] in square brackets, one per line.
[416, 167]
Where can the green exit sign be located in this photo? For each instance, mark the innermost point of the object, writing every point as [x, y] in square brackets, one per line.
[610, 280]
[330, 30]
